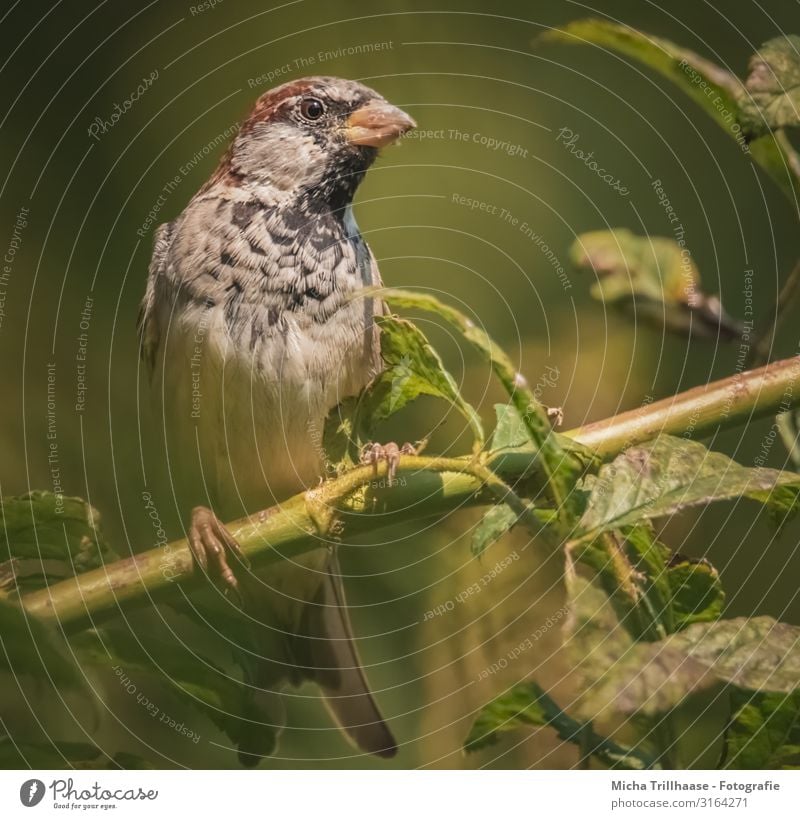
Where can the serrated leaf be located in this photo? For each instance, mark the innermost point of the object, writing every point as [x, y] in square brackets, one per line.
[493, 525]
[47, 536]
[764, 733]
[528, 704]
[663, 476]
[616, 674]
[411, 368]
[771, 95]
[655, 278]
[414, 368]
[712, 87]
[560, 466]
[756, 653]
[529, 408]
[30, 647]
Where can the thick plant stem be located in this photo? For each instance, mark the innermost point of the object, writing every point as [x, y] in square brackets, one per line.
[698, 412]
[433, 487]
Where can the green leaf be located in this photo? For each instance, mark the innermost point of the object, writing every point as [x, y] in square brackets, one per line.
[341, 440]
[764, 733]
[789, 429]
[771, 95]
[29, 646]
[495, 523]
[696, 594]
[528, 704]
[520, 706]
[654, 592]
[709, 85]
[48, 536]
[654, 277]
[712, 87]
[412, 368]
[510, 431]
[756, 653]
[663, 476]
[559, 466]
[531, 411]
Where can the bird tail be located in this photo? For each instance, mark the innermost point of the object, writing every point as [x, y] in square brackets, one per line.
[329, 656]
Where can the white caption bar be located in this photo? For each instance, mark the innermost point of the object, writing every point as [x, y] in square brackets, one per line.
[406, 794]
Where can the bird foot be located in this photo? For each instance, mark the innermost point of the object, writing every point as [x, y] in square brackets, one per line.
[555, 415]
[210, 543]
[375, 453]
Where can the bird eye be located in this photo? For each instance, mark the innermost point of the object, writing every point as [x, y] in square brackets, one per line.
[312, 108]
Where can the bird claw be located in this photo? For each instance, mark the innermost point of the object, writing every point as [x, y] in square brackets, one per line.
[210, 543]
[373, 454]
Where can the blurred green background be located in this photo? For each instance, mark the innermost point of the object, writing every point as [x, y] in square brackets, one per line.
[468, 75]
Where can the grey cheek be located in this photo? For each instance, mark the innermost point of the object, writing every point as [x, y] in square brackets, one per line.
[280, 155]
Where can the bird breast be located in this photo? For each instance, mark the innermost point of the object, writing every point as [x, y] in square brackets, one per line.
[265, 327]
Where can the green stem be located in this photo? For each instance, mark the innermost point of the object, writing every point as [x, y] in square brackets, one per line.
[433, 487]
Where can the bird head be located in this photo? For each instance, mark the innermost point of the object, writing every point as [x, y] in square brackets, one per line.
[314, 137]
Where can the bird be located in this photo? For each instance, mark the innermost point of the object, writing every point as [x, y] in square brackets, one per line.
[250, 333]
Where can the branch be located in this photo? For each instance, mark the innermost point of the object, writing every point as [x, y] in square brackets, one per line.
[434, 486]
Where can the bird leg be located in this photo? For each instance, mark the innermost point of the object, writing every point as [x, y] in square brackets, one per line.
[210, 543]
[375, 453]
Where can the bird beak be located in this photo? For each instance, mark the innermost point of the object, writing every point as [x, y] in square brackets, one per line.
[377, 124]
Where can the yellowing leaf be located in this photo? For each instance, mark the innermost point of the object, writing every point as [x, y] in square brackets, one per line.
[653, 277]
[771, 96]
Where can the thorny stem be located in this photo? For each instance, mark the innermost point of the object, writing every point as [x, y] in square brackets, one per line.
[435, 486]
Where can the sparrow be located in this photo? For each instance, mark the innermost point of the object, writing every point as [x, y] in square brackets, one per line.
[250, 335]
